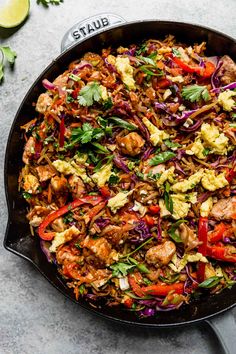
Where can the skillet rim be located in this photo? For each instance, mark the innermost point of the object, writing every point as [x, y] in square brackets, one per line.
[8, 247]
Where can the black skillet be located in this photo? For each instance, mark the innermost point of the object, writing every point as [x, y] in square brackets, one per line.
[18, 239]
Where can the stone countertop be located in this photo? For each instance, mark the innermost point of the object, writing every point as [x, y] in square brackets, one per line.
[34, 317]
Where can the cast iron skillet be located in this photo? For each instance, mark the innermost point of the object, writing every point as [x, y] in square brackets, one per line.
[18, 239]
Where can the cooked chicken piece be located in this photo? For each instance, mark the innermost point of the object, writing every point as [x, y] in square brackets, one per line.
[31, 184]
[101, 248]
[131, 144]
[188, 237]
[58, 225]
[93, 58]
[61, 80]
[227, 72]
[161, 254]
[117, 234]
[224, 209]
[29, 150]
[45, 172]
[43, 103]
[59, 184]
[143, 191]
[37, 214]
[77, 186]
[67, 254]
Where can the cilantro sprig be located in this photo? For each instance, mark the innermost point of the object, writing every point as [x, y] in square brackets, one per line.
[84, 135]
[195, 93]
[161, 158]
[9, 55]
[89, 94]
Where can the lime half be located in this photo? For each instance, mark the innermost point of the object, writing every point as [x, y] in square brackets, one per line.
[13, 13]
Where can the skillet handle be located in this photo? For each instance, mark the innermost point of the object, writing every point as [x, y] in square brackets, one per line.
[224, 328]
[88, 27]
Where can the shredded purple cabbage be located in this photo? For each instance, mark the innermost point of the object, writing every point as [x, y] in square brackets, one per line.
[118, 161]
[230, 86]
[48, 85]
[46, 251]
[215, 82]
[192, 127]
[143, 232]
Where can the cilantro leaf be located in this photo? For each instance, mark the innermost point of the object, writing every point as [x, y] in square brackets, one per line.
[89, 94]
[142, 49]
[8, 54]
[121, 269]
[161, 158]
[113, 180]
[194, 93]
[46, 3]
[108, 103]
[147, 60]
[84, 135]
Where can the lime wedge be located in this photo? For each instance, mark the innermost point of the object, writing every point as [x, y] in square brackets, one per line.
[13, 13]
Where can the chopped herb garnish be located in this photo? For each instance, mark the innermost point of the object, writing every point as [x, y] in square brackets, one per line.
[206, 151]
[89, 94]
[101, 149]
[140, 175]
[195, 93]
[142, 49]
[141, 267]
[27, 195]
[108, 103]
[84, 135]
[113, 180]
[152, 71]
[69, 99]
[68, 218]
[161, 158]
[74, 77]
[147, 60]
[121, 269]
[169, 280]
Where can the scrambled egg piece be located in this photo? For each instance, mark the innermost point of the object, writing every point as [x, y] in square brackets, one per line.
[163, 210]
[181, 205]
[118, 201]
[157, 135]
[72, 168]
[211, 182]
[103, 175]
[63, 237]
[126, 71]
[214, 139]
[177, 78]
[166, 175]
[189, 183]
[178, 264]
[197, 149]
[180, 208]
[226, 101]
[63, 167]
[206, 207]
[31, 184]
[104, 93]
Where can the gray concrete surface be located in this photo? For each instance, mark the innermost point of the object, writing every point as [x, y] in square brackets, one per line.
[34, 317]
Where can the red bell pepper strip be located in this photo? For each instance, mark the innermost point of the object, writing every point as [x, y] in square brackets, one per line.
[163, 83]
[38, 148]
[163, 289]
[202, 236]
[205, 72]
[231, 174]
[154, 209]
[62, 133]
[128, 303]
[218, 233]
[133, 282]
[150, 221]
[95, 210]
[47, 236]
[105, 192]
[221, 253]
